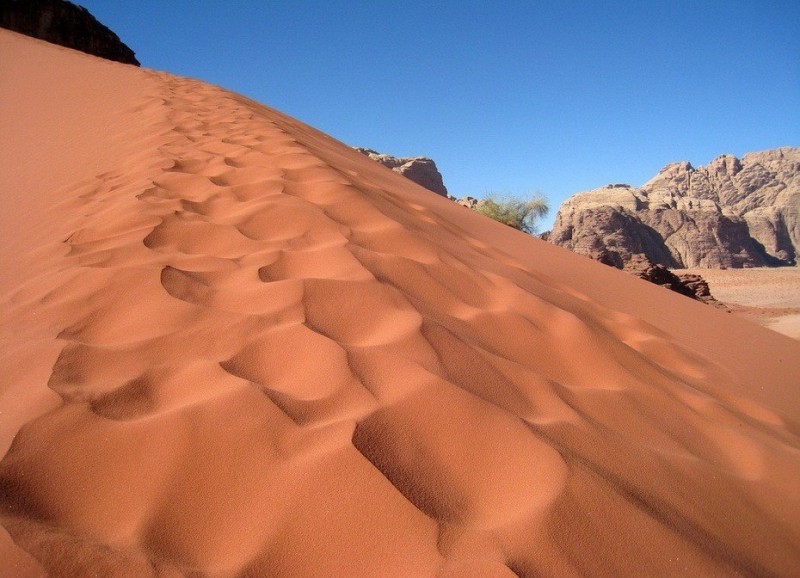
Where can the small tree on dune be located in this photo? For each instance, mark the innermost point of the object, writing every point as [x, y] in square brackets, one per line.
[522, 214]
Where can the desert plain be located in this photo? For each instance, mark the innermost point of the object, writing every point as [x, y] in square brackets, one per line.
[769, 296]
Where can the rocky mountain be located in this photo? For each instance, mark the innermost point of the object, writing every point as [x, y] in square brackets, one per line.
[421, 170]
[731, 213]
[66, 24]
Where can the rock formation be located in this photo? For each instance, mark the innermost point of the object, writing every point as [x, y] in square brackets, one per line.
[690, 285]
[732, 213]
[699, 288]
[468, 202]
[65, 24]
[421, 170]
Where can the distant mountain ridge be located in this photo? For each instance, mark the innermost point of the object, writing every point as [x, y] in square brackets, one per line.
[731, 213]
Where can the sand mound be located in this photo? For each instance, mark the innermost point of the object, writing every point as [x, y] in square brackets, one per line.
[232, 346]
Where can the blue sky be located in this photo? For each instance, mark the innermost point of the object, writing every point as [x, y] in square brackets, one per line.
[506, 97]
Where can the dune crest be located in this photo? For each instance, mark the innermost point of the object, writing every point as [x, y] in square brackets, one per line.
[233, 346]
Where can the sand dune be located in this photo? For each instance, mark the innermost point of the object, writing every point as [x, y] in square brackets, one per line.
[233, 346]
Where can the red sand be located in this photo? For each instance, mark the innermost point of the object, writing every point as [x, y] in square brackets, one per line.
[232, 346]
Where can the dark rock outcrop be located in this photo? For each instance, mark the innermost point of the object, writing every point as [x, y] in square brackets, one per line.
[65, 24]
[699, 288]
[642, 267]
[421, 170]
[693, 286]
[732, 213]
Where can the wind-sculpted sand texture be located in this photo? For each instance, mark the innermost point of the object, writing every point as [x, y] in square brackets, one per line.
[233, 346]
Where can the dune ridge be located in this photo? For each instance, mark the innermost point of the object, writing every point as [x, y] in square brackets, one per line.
[236, 347]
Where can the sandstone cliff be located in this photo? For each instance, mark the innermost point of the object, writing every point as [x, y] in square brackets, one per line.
[731, 213]
[421, 170]
[65, 24]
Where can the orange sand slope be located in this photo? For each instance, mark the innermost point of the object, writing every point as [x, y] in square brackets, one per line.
[232, 346]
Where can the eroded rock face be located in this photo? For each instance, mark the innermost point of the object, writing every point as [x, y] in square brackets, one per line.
[732, 213]
[690, 285]
[421, 170]
[65, 24]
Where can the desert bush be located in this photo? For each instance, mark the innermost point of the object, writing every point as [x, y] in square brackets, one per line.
[521, 214]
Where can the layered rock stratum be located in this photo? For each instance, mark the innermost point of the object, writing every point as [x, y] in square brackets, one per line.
[731, 213]
[232, 346]
[421, 170]
[66, 24]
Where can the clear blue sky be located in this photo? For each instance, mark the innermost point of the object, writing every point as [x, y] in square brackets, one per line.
[509, 97]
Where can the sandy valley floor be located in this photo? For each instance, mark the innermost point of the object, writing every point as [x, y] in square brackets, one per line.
[768, 296]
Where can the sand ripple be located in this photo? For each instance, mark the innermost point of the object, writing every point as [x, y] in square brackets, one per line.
[265, 355]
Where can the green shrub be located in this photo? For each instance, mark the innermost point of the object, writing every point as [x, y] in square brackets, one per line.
[519, 213]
